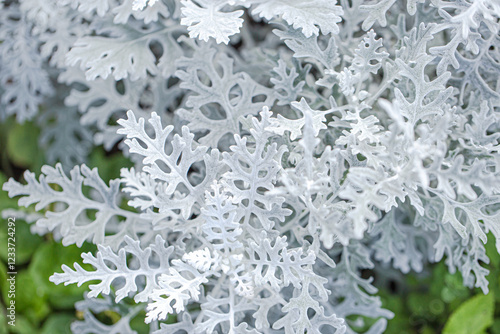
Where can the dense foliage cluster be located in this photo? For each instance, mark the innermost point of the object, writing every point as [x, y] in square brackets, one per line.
[281, 148]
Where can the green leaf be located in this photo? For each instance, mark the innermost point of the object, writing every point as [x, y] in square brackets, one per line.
[46, 261]
[418, 303]
[495, 329]
[473, 316]
[3, 323]
[5, 201]
[22, 146]
[30, 301]
[137, 323]
[23, 326]
[26, 243]
[58, 324]
[398, 324]
[109, 164]
[491, 251]
[3, 290]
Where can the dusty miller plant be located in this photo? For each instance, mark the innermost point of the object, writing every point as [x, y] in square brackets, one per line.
[280, 148]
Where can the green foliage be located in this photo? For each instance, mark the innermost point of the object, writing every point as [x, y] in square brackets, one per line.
[41, 307]
[436, 301]
[40, 270]
[473, 316]
[27, 243]
[57, 324]
[5, 201]
[109, 164]
[22, 146]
